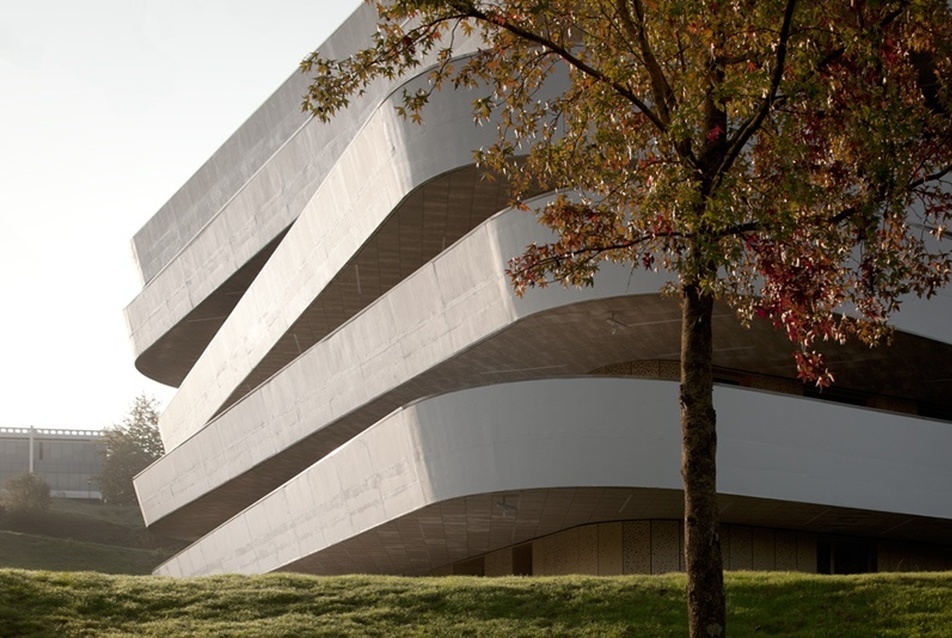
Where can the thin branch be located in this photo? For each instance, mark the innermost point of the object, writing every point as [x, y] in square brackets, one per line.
[591, 253]
[750, 127]
[471, 11]
[752, 227]
[931, 178]
[663, 95]
[609, 18]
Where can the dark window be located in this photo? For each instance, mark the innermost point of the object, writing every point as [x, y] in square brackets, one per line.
[522, 560]
[845, 556]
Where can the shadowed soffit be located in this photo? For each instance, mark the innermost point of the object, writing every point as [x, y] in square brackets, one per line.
[430, 219]
[419, 542]
[575, 340]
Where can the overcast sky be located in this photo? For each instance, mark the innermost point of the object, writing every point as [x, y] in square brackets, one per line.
[108, 107]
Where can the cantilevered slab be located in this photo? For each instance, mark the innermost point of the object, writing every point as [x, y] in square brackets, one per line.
[385, 163]
[240, 201]
[596, 441]
[456, 323]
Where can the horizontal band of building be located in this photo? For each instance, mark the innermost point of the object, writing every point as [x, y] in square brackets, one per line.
[467, 473]
[360, 389]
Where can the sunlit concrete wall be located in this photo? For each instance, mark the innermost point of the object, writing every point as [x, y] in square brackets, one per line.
[575, 433]
[255, 186]
[455, 303]
[382, 165]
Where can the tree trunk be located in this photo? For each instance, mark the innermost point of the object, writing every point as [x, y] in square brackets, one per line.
[702, 546]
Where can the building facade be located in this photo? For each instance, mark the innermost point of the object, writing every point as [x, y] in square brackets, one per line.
[360, 390]
[68, 460]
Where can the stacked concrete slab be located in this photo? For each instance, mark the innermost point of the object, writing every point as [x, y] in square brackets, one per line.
[360, 390]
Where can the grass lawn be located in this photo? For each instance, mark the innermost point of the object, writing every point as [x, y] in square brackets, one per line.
[82, 536]
[759, 604]
[80, 543]
[123, 515]
[29, 551]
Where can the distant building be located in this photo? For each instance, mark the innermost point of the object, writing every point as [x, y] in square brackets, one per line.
[68, 460]
[360, 390]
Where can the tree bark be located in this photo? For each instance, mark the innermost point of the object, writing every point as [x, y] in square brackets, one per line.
[702, 546]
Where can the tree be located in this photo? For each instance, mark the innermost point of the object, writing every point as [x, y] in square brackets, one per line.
[26, 494]
[789, 158]
[129, 448]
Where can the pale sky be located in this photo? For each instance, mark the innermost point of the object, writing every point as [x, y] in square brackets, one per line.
[107, 108]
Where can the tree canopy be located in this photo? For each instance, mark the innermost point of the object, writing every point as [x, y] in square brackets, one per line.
[129, 448]
[790, 158]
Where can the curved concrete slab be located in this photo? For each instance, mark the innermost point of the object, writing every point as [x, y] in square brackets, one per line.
[453, 324]
[248, 193]
[602, 439]
[405, 345]
[383, 164]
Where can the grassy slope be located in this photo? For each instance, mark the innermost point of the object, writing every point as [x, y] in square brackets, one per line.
[80, 536]
[29, 551]
[122, 515]
[776, 604]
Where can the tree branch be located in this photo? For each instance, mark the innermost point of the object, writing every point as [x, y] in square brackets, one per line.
[663, 95]
[931, 178]
[752, 227]
[468, 9]
[751, 126]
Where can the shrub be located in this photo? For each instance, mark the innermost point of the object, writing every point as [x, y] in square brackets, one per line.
[26, 494]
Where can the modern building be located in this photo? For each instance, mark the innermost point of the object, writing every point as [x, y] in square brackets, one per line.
[68, 460]
[360, 390]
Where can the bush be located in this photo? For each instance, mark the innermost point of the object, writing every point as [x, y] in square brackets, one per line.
[26, 494]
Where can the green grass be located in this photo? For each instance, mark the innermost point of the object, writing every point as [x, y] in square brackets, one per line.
[79, 543]
[123, 515]
[82, 536]
[30, 551]
[760, 604]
